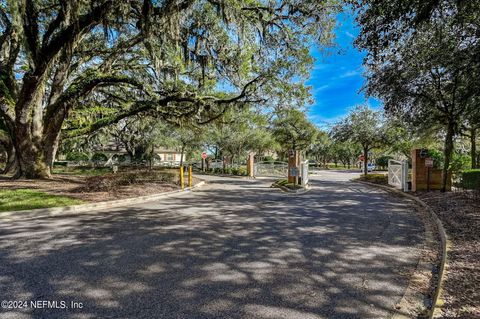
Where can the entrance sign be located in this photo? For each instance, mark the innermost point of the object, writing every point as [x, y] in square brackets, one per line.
[429, 162]
[293, 171]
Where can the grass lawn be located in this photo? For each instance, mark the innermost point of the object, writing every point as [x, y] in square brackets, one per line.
[21, 199]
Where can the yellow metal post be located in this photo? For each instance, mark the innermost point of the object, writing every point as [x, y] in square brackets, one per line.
[182, 180]
[190, 177]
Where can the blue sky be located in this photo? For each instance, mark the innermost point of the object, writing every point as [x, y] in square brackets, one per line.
[337, 77]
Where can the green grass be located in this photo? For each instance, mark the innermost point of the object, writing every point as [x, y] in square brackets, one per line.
[22, 199]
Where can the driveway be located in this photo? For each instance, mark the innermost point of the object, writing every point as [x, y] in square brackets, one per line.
[232, 249]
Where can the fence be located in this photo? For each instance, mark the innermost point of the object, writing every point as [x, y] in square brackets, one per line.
[398, 174]
[273, 169]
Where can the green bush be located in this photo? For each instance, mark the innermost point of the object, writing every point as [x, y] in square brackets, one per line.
[77, 157]
[99, 157]
[60, 163]
[382, 161]
[242, 171]
[438, 158]
[470, 179]
[460, 162]
[120, 158]
[234, 170]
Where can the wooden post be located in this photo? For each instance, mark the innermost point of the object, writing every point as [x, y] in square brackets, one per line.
[293, 163]
[190, 177]
[182, 181]
[250, 165]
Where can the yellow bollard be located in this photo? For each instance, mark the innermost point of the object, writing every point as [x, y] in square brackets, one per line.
[182, 181]
[190, 177]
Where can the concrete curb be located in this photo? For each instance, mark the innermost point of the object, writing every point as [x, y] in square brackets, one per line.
[437, 301]
[288, 190]
[74, 209]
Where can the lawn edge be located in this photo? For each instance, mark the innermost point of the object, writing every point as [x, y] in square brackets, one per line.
[437, 301]
[74, 209]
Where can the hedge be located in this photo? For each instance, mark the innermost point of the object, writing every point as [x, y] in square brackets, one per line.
[470, 179]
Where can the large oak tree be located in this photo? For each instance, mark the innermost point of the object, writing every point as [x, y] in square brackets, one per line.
[423, 61]
[70, 67]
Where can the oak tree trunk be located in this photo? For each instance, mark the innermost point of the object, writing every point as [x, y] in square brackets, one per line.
[473, 147]
[365, 162]
[448, 154]
[11, 163]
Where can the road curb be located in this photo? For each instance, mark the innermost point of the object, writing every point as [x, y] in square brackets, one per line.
[74, 209]
[288, 190]
[437, 301]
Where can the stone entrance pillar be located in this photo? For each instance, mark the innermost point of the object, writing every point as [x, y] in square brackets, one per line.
[250, 164]
[424, 177]
[293, 166]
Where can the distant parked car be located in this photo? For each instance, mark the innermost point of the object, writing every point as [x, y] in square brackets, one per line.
[370, 167]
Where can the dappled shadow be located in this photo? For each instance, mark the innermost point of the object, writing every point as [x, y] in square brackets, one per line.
[234, 249]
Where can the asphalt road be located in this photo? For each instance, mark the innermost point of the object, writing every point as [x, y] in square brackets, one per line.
[232, 249]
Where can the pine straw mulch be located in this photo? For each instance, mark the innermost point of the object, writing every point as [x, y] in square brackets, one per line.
[75, 186]
[460, 215]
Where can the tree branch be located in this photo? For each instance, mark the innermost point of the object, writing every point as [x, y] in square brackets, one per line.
[82, 86]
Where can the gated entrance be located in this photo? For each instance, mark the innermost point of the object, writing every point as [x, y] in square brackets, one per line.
[398, 174]
[271, 169]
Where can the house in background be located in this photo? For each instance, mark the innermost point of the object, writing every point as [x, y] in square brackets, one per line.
[116, 153]
[168, 157]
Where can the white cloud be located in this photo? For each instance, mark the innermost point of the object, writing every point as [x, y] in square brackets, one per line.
[348, 74]
[350, 35]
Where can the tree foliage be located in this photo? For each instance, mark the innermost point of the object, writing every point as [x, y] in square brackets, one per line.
[78, 66]
[423, 62]
[293, 131]
[364, 127]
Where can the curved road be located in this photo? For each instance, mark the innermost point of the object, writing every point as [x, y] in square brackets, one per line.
[231, 249]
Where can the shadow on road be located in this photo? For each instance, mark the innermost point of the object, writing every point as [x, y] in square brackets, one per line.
[232, 250]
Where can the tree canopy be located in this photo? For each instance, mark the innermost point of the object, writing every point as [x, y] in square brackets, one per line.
[78, 66]
[423, 62]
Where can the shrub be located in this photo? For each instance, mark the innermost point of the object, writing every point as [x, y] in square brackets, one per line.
[99, 157]
[109, 182]
[122, 158]
[77, 157]
[470, 179]
[234, 170]
[382, 161]
[242, 171]
[438, 158]
[460, 162]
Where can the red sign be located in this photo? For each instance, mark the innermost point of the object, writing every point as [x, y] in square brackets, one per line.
[429, 162]
[361, 158]
[204, 155]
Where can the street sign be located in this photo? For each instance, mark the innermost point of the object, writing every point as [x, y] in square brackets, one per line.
[361, 158]
[293, 171]
[429, 162]
[204, 155]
